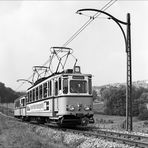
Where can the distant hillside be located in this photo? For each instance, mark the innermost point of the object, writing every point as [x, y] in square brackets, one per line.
[8, 95]
[138, 84]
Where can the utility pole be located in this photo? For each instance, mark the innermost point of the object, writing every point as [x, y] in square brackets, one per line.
[129, 113]
[127, 39]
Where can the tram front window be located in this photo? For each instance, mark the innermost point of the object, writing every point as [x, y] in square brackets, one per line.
[77, 86]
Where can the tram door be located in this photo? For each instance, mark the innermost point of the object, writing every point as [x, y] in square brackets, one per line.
[55, 98]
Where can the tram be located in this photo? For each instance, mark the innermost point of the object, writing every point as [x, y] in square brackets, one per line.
[64, 98]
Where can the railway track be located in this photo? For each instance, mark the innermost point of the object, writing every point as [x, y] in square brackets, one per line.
[124, 138]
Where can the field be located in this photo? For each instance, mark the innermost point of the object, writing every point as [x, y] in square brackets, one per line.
[7, 105]
[116, 122]
[106, 121]
[98, 108]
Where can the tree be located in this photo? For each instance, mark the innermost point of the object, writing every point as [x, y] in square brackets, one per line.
[143, 110]
[94, 94]
[8, 95]
[114, 100]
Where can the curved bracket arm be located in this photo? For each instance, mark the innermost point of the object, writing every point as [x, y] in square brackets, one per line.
[118, 22]
[112, 17]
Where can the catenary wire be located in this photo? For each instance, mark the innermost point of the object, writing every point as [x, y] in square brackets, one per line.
[109, 4]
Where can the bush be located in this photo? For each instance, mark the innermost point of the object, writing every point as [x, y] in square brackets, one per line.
[114, 100]
[143, 111]
[103, 121]
[145, 123]
[143, 115]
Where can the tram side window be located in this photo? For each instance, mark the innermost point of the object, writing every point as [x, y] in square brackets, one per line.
[40, 92]
[60, 87]
[29, 96]
[37, 96]
[59, 83]
[23, 102]
[56, 88]
[90, 85]
[27, 99]
[50, 87]
[47, 105]
[65, 85]
[33, 94]
[45, 90]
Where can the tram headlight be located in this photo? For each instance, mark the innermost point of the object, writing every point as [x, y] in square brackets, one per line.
[87, 108]
[70, 108]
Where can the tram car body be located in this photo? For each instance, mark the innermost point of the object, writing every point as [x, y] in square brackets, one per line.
[20, 107]
[64, 98]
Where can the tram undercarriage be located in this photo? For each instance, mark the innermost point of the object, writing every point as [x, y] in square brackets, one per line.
[66, 120]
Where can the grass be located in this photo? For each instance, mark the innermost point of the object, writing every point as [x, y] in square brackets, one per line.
[20, 135]
[116, 122]
[7, 111]
[98, 108]
[14, 134]
[7, 105]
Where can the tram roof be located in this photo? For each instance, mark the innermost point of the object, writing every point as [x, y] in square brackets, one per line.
[21, 97]
[56, 74]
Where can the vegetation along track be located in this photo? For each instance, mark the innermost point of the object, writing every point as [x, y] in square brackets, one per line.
[125, 138]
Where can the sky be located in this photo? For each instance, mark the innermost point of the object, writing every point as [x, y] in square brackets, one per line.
[28, 29]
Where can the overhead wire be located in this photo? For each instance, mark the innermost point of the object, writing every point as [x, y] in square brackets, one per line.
[109, 4]
[104, 8]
